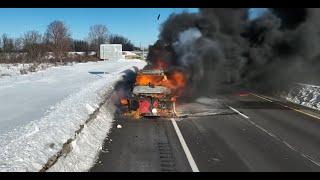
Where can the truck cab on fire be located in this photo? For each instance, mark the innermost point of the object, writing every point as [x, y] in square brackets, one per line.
[150, 98]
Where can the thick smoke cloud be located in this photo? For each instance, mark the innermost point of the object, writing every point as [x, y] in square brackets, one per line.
[223, 48]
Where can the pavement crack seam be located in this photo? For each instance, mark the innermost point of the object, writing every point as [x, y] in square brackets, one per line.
[167, 160]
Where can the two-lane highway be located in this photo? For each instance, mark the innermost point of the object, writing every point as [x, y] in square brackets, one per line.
[256, 135]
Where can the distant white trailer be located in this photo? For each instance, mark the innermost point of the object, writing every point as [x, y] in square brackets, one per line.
[110, 51]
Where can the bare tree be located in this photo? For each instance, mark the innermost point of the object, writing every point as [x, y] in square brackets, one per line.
[58, 39]
[98, 35]
[80, 46]
[18, 45]
[32, 45]
[7, 44]
[1, 46]
[127, 45]
[1, 50]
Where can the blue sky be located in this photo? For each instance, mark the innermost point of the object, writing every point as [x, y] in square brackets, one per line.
[139, 25]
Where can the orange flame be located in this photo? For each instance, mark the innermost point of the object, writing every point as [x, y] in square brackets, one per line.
[145, 79]
[176, 81]
[124, 101]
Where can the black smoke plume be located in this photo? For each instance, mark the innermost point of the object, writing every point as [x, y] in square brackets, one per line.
[221, 48]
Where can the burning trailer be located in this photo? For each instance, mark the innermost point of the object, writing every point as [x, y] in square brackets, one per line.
[151, 95]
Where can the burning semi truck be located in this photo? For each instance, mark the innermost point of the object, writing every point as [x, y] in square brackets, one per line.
[154, 93]
[156, 87]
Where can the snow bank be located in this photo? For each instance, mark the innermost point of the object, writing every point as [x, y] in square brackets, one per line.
[304, 94]
[28, 147]
[88, 144]
[8, 70]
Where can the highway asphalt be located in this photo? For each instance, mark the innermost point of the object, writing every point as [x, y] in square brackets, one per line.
[256, 135]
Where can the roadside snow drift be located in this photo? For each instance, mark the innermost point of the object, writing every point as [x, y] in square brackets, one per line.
[8, 70]
[85, 148]
[42, 110]
[306, 95]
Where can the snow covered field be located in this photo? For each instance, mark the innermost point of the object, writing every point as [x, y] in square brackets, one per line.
[305, 94]
[42, 110]
[9, 70]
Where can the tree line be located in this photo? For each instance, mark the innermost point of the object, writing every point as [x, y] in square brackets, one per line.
[56, 44]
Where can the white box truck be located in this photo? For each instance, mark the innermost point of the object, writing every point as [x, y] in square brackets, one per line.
[110, 51]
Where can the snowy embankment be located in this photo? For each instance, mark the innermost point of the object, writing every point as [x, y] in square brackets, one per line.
[304, 94]
[41, 111]
[10, 70]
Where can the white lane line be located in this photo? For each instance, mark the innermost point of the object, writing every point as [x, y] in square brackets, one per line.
[277, 138]
[186, 150]
[238, 112]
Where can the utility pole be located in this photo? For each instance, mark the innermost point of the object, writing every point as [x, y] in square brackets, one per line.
[142, 53]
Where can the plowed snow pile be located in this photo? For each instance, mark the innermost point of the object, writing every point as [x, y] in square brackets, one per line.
[42, 110]
[306, 95]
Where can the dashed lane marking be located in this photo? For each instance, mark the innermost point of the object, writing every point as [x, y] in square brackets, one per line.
[277, 138]
[233, 109]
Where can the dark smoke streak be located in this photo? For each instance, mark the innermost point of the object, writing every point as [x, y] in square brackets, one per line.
[222, 49]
